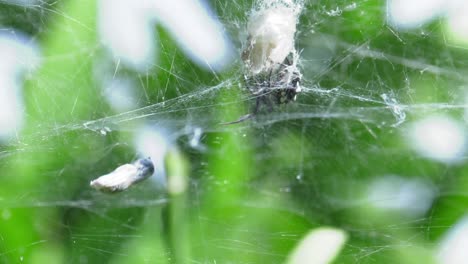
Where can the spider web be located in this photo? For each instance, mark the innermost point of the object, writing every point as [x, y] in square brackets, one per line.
[342, 155]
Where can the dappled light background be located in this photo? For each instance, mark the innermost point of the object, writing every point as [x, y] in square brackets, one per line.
[367, 166]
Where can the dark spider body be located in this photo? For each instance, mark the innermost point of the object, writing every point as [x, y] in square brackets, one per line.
[279, 85]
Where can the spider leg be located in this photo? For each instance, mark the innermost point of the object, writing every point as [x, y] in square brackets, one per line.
[247, 116]
[257, 105]
[241, 119]
[269, 77]
[269, 103]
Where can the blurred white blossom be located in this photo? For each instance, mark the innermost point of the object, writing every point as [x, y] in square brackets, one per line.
[452, 247]
[438, 137]
[18, 55]
[128, 29]
[415, 13]
[154, 144]
[120, 94]
[412, 197]
[319, 246]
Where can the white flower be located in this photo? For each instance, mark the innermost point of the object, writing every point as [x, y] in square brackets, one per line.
[128, 29]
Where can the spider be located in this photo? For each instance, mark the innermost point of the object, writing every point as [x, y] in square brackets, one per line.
[279, 85]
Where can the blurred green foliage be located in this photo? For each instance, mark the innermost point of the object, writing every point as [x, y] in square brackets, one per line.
[257, 189]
